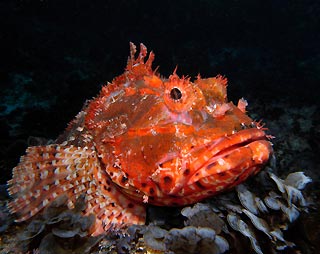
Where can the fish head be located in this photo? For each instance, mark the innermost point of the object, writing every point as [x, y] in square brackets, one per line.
[172, 141]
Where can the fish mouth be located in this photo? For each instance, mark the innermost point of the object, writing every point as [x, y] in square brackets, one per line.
[210, 168]
[216, 166]
[229, 157]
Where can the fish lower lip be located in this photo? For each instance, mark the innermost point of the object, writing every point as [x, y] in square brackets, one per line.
[232, 165]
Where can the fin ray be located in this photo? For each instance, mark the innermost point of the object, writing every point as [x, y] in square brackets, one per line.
[46, 172]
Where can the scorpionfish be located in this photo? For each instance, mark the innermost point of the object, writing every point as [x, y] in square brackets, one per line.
[143, 139]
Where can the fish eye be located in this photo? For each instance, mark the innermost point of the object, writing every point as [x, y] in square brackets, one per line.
[175, 94]
[180, 94]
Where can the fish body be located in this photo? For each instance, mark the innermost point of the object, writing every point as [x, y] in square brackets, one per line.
[143, 139]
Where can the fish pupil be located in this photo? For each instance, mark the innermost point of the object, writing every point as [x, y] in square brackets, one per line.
[175, 93]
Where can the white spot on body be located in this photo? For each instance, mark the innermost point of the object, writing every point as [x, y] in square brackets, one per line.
[80, 128]
[210, 109]
[56, 171]
[70, 204]
[221, 161]
[205, 180]
[205, 158]
[227, 165]
[37, 194]
[44, 174]
[145, 199]
[34, 211]
[67, 187]
[153, 132]
[45, 202]
[212, 179]
[102, 204]
[69, 168]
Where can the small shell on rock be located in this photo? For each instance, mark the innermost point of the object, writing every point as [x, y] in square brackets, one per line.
[244, 229]
[277, 234]
[201, 215]
[189, 212]
[222, 243]
[261, 206]
[291, 212]
[297, 180]
[154, 238]
[247, 198]
[195, 240]
[278, 182]
[272, 203]
[33, 229]
[259, 223]
[239, 225]
[233, 221]
[294, 195]
[292, 186]
[234, 208]
[247, 231]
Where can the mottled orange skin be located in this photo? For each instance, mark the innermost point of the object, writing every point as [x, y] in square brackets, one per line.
[144, 139]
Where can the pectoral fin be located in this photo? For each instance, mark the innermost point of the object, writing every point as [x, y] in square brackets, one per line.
[47, 172]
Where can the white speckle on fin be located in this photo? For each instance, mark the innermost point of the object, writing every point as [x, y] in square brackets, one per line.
[37, 181]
